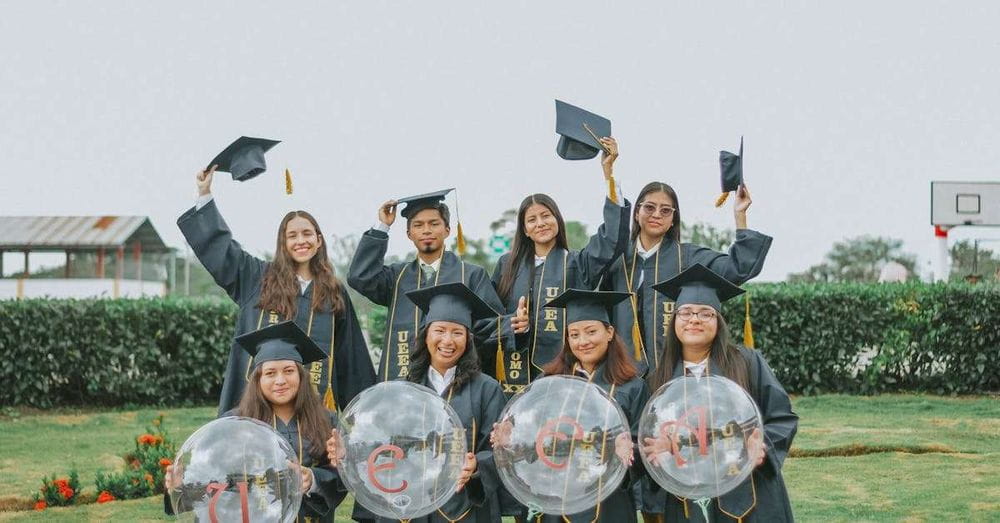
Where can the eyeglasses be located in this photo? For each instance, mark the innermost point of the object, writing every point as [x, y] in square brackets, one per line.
[703, 315]
[652, 208]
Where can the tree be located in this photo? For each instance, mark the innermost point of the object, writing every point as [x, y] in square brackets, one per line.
[965, 261]
[858, 260]
[706, 235]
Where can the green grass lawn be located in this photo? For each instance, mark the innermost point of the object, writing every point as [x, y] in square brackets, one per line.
[959, 481]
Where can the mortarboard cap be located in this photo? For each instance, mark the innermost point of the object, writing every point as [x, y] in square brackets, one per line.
[698, 285]
[415, 204]
[281, 341]
[244, 158]
[731, 168]
[579, 132]
[584, 305]
[454, 302]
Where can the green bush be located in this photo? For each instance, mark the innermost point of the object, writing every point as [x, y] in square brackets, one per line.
[113, 352]
[857, 338]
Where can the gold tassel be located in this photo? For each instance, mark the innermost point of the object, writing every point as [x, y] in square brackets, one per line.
[328, 401]
[288, 181]
[460, 241]
[637, 340]
[721, 199]
[612, 193]
[501, 369]
[747, 326]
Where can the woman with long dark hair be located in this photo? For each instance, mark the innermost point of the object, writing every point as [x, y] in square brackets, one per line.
[655, 253]
[594, 351]
[278, 395]
[539, 267]
[298, 285]
[698, 343]
[446, 361]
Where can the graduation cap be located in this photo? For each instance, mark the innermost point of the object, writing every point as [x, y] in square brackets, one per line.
[281, 341]
[582, 305]
[579, 132]
[415, 204]
[698, 285]
[454, 302]
[244, 158]
[731, 167]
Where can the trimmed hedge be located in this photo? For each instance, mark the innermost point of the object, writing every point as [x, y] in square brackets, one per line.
[848, 338]
[872, 338]
[113, 352]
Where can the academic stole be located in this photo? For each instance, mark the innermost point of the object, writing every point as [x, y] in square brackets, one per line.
[460, 458]
[548, 323]
[638, 337]
[401, 338]
[316, 367]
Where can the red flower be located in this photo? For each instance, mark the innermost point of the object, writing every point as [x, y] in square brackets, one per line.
[146, 439]
[148, 477]
[105, 497]
[164, 462]
[61, 483]
[41, 504]
[66, 492]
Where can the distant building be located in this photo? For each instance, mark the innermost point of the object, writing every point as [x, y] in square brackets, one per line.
[127, 245]
[893, 272]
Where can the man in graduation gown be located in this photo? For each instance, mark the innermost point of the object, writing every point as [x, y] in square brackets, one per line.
[342, 375]
[427, 226]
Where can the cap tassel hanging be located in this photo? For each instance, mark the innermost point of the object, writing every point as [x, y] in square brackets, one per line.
[747, 326]
[288, 181]
[328, 400]
[460, 246]
[637, 340]
[721, 199]
[612, 193]
[501, 371]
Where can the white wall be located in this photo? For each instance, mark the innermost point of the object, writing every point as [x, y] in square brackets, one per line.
[79, 288]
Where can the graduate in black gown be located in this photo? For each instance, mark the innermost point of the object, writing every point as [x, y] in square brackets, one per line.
[299, 284]
[594, 351]
[278, 394]
[698, 343]
[656, 253]
[427, 226]
[540, 266]
[445, 360]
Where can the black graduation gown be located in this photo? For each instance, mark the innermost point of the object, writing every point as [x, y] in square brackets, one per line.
[561, 270]
[318, 507]
[241, 275]
[762, 497]
[631, 396]
[744, 261]
[478, 404]
[387, 285]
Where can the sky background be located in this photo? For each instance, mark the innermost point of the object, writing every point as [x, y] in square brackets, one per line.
[850, 109]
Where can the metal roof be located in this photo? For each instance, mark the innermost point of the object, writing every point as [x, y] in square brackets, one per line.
[58, 233]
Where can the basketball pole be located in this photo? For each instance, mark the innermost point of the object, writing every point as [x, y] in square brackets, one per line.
[941, 233]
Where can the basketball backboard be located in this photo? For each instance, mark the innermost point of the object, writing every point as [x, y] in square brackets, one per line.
[965, 203]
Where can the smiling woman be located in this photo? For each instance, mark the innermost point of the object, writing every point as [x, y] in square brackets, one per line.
[299, 285]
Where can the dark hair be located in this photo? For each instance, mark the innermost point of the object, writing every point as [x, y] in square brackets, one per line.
[466, 369]
[311, 416]
[280, 289]
[618, 366]
[413, 208]
[523, 249]
[674, 232]
[724, 358]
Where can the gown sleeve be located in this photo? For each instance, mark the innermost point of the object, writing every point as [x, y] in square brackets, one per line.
[744, 260]
[486, 480]
[368, 273]
[780, 422]
[606, 245]
[232, 268]
[354, 369]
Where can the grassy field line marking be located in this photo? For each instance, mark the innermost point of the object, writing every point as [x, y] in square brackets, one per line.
[861, 450]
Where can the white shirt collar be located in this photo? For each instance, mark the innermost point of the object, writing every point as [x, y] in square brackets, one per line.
[436, 264]
[696, 369]
[439, 382]
[303, 283]
[539, 260]
[644, 253]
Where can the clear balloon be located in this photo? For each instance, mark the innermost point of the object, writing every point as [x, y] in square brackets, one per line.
[404, 449]
[700, 436]
[561, 446]
[235, 469]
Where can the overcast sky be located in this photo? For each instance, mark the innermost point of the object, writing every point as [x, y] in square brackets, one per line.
[850, 109]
